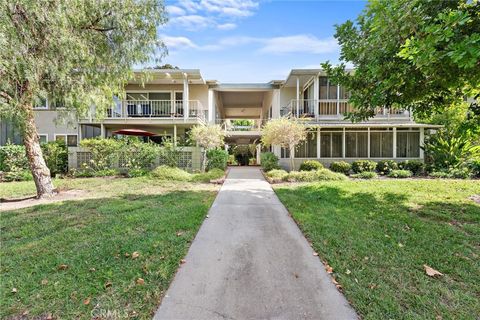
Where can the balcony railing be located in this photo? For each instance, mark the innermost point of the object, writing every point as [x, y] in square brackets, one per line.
[332, 109]
[233, 125]
[156, 109]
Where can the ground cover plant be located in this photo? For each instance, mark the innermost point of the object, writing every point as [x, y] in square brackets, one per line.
[377, 235]
[113, 253]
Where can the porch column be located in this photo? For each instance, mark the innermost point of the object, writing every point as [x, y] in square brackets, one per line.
[174, 135]
[394, 143]
[343, 143]
[338, 100]
[79, 133]
[316, 94]
[259, 150]
[422, 141]
[368, 142]
[102, 130]
[211, 106]
[276, 104]
[186, 98]
[297, 96]
[318, 142]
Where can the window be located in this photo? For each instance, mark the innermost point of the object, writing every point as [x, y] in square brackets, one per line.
[331, 144]
[43, 138]
[284, 153]
[307, 148]
[323, 85]
[408, 144]
[381, 144]
[356, 144]
[69, 139]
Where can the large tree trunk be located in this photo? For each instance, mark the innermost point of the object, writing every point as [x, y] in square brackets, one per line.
[40, 171]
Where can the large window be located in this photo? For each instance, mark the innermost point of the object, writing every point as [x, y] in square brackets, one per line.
[331, 144]
[70, 139]
[381, 144]
[356, 144]
[408, 144]
[307, 148]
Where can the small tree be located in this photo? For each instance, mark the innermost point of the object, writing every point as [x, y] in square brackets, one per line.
[284, 132]
[208, 137]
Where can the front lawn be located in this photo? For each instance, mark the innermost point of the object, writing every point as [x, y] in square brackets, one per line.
[78, 259]
[377, 235]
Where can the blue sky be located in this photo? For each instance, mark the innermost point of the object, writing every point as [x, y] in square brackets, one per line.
[250, 40]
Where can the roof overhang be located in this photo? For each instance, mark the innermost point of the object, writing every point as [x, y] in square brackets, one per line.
[167, 76]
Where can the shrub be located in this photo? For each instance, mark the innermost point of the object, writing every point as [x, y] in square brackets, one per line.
[164, 172]
[217, 159]
[231, 160]
[439, 174]
[341, 166]
[386, 166]
[459, 173]
[212, 174]
[365, 175]
[400, 174]
[417, 167]
[134, 173]
[55, 154]
[363, 165]
[135, 154]
[17, 175]
[325, 174]
[301, 176]
[13, 158]
[169, 154]
[311, 165]
[104, 153]
[277, 175]
[474, 166]
[269, 161]
[318, 175]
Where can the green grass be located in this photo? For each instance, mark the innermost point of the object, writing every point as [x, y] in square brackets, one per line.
[157, 220]
[377, 235]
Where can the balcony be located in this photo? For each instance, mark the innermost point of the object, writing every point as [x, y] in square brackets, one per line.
[333, 110]
[239, 126]
[157, 109]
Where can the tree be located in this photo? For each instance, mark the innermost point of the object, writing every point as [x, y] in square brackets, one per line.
[284, 132]
[417, 54]
[165, 66]
[208, 137]
[78, 52]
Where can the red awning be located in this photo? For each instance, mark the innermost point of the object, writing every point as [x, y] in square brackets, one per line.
[135, 132]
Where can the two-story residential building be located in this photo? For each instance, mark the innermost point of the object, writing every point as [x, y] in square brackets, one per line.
[170, 102]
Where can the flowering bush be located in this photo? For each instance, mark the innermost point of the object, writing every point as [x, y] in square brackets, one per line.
[363, 165]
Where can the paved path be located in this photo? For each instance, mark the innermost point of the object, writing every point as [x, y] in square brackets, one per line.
[250, 261]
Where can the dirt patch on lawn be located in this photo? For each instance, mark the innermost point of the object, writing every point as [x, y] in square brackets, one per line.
[13, 204]
[475, 198]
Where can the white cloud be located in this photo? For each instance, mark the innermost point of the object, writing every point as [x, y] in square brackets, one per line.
[199, 14]
[192, 22]
[175, 11]
[299, 43]
[226, 26]
[178, 43]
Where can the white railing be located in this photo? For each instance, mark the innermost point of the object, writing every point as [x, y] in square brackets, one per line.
[233, 125]
[331, 108]
[156, 109]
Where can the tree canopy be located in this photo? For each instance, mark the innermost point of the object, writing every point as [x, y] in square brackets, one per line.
[75, 53]
[417, 54]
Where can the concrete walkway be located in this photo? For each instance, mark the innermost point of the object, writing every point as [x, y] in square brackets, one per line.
[250, 261]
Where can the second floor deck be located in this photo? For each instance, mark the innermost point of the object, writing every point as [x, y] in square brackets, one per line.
[335, 109]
